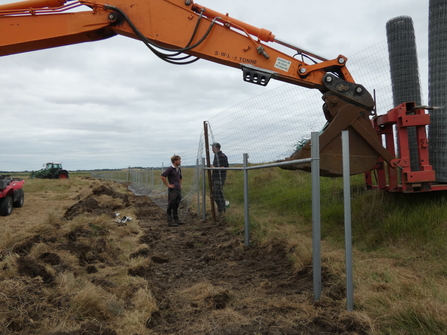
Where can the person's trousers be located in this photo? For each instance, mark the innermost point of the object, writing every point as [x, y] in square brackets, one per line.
[174, 198]
[219, 195]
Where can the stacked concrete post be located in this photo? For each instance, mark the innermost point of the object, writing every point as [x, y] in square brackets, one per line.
[404, 72]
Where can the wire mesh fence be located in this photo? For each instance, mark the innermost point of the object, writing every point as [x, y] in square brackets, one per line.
[147, 182]
[268, 127]
[437, 45]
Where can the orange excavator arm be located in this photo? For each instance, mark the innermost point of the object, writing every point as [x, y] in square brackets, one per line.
[180, 32]
[172, 24]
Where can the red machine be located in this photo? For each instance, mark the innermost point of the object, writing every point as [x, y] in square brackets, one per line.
[403, 178]
[11, 194]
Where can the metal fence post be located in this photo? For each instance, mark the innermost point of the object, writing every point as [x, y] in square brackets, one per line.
[162, 170]
[152, 178]
[316, 224]
[146, 175]
[246, 211]
[348, 224]
[203, 191]
[198, 186]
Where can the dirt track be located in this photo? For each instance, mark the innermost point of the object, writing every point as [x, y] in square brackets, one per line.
[203, 278]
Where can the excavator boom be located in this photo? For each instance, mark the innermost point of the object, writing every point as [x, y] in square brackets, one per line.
[181, 32]
[174, 25]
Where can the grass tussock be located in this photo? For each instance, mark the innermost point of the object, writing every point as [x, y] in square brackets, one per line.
[145, 301]
[9, 266]
[94, 302]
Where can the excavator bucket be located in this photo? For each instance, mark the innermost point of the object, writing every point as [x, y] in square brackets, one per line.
[365, 146]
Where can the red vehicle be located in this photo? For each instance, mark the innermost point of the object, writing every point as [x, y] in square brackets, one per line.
[11, 194]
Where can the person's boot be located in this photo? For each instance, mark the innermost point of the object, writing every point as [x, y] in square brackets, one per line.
[177, 221]
[171, 222]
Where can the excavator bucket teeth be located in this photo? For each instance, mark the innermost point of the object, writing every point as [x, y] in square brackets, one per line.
[364, 145]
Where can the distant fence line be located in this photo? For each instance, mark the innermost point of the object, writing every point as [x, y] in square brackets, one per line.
[142, 181]
[143, 175]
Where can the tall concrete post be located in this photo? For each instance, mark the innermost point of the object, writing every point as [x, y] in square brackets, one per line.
[404, 72]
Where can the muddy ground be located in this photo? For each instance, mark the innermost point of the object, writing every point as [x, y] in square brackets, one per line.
[254, 289]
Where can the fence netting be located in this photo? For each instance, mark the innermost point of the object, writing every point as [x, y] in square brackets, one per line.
[268, 127]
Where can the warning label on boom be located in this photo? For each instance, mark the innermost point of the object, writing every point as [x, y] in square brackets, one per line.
[282, 64]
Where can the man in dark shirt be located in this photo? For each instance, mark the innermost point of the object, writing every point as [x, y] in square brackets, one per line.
[219, 177]
[172, 178]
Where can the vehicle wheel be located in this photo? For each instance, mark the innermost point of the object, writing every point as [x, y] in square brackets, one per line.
[63, 175]
[21, 200]
[6, 206]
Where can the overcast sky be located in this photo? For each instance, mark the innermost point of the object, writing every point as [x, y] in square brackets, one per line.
[113, 104]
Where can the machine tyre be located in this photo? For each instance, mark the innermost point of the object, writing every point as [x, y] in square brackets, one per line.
[62, 175]
[6, 206]
[21, 200]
